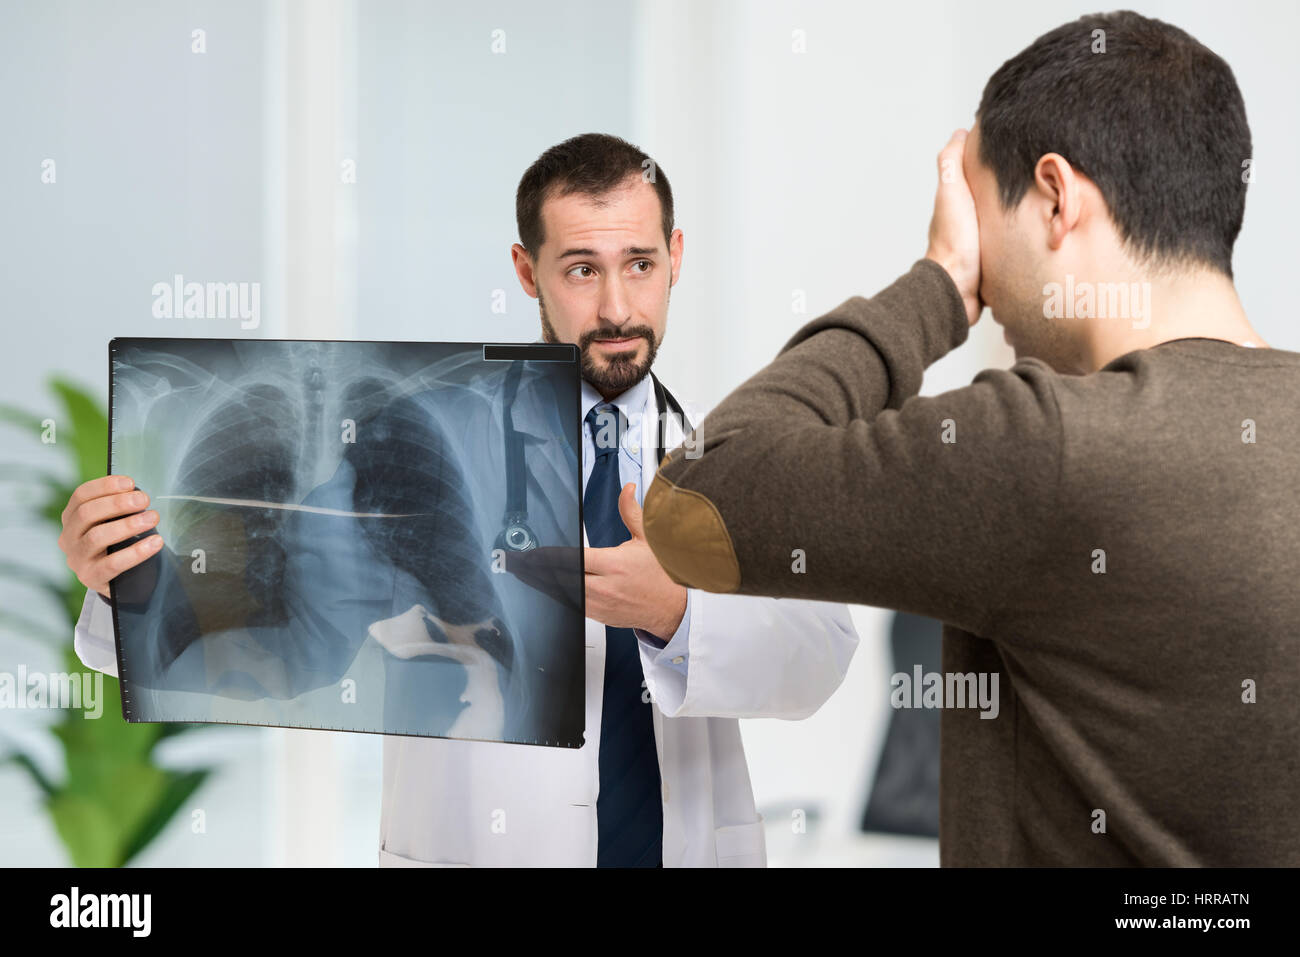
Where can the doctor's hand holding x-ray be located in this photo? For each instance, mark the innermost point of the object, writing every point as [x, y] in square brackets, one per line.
[101, 513]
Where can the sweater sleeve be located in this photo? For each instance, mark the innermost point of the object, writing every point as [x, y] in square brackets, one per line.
[826, 477]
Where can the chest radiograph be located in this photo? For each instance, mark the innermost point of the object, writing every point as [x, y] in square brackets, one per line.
[331, 515]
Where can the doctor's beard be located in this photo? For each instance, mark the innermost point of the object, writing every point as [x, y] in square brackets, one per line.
[618, 373]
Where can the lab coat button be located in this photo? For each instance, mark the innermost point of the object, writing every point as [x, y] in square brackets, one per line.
[678, 660]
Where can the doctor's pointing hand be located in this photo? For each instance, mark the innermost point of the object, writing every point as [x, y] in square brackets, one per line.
[626, 586]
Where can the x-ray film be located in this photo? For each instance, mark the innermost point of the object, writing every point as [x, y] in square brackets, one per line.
[357, 536]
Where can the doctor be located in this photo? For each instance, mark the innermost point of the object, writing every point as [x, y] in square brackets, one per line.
[662, 778]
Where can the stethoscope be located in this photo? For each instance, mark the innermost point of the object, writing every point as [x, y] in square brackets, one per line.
[516, 535]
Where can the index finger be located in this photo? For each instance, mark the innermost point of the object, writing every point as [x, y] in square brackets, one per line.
[97, 488]
[950, 157]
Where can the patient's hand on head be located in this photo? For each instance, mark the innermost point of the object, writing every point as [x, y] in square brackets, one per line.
[954, 227]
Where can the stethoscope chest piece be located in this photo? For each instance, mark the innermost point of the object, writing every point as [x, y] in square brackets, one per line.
[516, 536]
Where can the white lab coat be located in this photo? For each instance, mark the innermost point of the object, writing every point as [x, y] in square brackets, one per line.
[449, 803]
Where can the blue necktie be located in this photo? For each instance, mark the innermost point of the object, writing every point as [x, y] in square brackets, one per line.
[629, 811]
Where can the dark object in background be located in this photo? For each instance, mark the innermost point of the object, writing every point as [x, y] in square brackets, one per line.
[905, 796]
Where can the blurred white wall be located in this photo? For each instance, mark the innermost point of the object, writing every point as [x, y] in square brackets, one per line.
[797, 175]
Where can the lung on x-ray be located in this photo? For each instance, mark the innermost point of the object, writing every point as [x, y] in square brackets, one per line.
[357, 536]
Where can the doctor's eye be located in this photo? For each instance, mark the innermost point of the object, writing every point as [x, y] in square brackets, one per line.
[643, 262]
[576, 272]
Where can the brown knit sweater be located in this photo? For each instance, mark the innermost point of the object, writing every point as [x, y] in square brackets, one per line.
[1109, 545]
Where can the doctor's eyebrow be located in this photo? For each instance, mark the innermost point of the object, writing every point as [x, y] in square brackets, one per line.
[629, 251]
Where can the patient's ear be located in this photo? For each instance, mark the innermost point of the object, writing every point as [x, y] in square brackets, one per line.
[1060, 189]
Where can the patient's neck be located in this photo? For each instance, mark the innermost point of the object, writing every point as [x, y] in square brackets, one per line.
[1189, 304]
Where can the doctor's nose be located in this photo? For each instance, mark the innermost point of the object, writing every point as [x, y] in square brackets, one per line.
[614, 308]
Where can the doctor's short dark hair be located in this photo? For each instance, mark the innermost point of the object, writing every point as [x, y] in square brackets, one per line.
[592, 164]
[1150, 115]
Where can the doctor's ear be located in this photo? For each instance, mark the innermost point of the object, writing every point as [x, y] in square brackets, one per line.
[525, 268]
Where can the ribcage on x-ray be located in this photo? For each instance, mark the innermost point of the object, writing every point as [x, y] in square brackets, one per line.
[280, 547]
[250, 451]
[328, 517]
[404, 467]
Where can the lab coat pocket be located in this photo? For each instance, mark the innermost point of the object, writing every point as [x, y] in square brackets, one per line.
[388, 859]
[741, 845]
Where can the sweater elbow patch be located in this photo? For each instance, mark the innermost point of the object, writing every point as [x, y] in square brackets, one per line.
[689, 538]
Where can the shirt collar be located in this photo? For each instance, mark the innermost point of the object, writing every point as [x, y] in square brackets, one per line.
[631, 403]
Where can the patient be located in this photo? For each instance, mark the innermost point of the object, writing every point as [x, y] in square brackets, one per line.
[1111, 525]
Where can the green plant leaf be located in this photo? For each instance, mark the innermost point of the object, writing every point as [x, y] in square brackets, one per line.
[14, 472]
[20, 418]
[34, 576]
[87, 830]
[25, 627]
[113, 799]
[89, 428]
[26, 763]
[179, 786]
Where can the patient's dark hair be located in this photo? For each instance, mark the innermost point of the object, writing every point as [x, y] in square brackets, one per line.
[1156, 121]
[592, 164]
